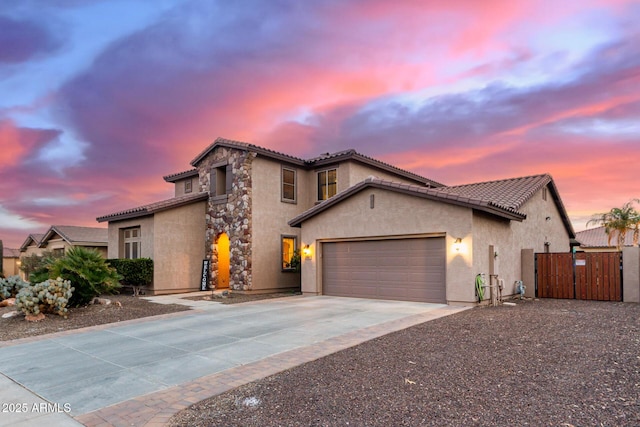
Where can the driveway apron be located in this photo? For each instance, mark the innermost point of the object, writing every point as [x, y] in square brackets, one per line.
[82, 372]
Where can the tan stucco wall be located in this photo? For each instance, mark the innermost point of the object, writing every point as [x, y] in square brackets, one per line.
[509, 238]
[631, 274]
[394, 215]
[358, 172]
[179, 236]
[10, 266]
[116, 245]
[179, 186]
[270, 216]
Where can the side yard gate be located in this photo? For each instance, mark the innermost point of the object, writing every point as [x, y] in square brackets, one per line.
[583, 275]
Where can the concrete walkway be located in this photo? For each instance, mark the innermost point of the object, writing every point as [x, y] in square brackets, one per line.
[142, 372]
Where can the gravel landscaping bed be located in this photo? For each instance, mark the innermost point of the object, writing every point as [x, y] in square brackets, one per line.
[540, 363]
[122, 307]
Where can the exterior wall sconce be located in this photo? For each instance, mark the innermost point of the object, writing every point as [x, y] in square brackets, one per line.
[306, 252]
[457, 244]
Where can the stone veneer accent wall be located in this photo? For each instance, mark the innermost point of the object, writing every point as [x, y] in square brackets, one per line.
[232, 217]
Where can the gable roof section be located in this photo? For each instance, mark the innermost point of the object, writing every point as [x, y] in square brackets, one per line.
[513, 193]
[598, 238]
[412, 190]
[222, 142]
[325, 159]
[180, 175]
[154, 207]
[75, 235]
[31, 239]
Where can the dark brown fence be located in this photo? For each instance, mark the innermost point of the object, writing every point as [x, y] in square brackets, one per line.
[586, 276]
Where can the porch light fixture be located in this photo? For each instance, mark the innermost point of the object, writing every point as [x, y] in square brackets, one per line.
[306, 251]
[457, 244]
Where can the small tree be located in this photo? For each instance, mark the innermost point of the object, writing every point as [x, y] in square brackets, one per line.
[36, 267]
[619, 221]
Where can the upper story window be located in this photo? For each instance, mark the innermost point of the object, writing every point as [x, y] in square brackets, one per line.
[544, 193]
[327, 184]
[188, 186]
[221, 181]
[132, 240]
[288, 185]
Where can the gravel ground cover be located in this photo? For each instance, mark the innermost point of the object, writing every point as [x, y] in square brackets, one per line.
[541, 363]
[122, 307]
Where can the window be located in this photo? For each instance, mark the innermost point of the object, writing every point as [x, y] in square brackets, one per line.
[288, 185]
[327, 185]
[188, 186]
[58, 252]
[221, 180]
[544, 193]
[289, 246]
[132, 243]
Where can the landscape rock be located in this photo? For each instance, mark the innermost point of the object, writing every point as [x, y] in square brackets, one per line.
[34, 318]
[9, 302]
[13, 313]
[102, 301]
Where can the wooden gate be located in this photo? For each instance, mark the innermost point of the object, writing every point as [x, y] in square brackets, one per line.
[584, 275]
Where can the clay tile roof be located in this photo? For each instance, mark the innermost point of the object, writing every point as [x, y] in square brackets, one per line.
[10, 253]
[246, 146]
[180, 175]
[323, 159]
[598, 238]
[415, 190]
[155, 207]
[75, 234]
[509, 193]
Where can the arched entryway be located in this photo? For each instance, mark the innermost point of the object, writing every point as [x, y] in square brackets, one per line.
[222, 250]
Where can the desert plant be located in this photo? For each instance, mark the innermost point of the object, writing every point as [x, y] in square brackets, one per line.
[50, 296]
[10, 286]
[36, 267]
[88, 271]
[619, 221]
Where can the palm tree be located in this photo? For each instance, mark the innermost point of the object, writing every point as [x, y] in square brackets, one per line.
[620, 220]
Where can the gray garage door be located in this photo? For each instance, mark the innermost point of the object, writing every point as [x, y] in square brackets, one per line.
[404, 269]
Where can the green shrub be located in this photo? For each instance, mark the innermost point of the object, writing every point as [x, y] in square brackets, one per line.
[89, 273]
[36, 267]
[134, 272]
[10, 286]
[50, 296]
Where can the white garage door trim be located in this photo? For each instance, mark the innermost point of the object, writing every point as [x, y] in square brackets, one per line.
[409, 269]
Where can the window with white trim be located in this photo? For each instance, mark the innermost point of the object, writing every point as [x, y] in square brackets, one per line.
[288, 185]
[132, 242]
[327, 184]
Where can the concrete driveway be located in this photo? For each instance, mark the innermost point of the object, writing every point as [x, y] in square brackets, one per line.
[71, 375]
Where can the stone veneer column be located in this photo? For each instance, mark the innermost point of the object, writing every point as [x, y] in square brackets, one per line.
[232, 217]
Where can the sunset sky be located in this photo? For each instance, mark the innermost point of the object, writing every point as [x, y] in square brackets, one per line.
[100, 99]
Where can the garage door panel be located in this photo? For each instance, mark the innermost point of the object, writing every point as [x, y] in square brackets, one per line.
[403, 269]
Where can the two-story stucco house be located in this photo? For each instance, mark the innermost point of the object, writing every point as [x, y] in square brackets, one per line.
[364, 228]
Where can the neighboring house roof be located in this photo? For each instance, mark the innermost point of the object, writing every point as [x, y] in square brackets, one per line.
[31, 239]
[428, 193]
[598, 238]
[155, 207]
[10, 253]
[181, 175]
[325, 159]
[513, 193]
[75, 235]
